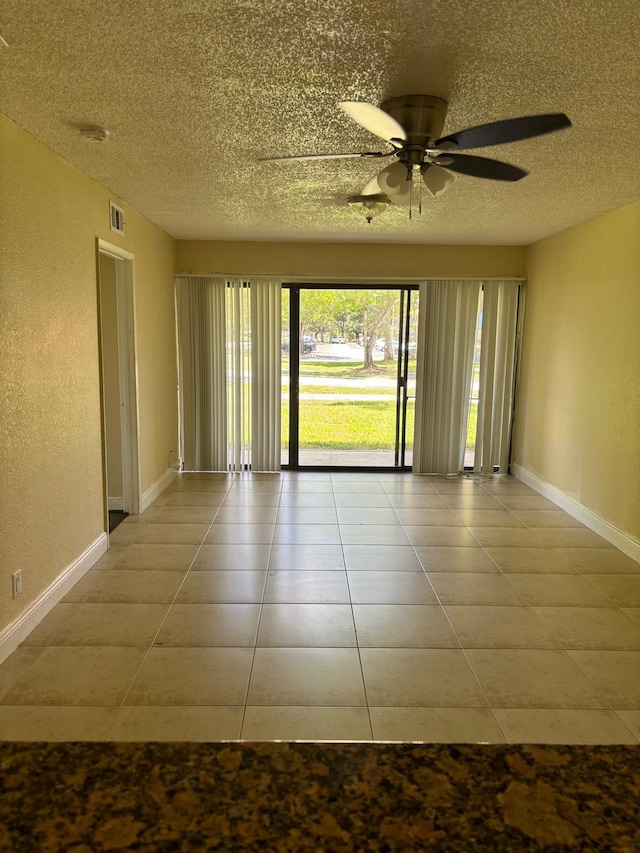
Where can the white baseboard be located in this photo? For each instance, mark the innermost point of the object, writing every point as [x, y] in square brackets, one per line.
[622, 540]
[19, 629]
[157, 489]
[115, 504]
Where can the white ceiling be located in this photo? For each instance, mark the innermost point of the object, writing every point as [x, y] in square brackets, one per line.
[194, 91]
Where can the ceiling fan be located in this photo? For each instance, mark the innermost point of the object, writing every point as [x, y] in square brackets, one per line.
[412, 126]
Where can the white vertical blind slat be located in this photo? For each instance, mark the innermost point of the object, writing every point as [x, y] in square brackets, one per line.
[447, 322]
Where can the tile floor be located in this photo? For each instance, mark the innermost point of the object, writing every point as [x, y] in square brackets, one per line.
[339, 606]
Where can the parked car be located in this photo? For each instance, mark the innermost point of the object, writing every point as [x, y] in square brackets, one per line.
[284, 346]
[338, 339]
[309, 344]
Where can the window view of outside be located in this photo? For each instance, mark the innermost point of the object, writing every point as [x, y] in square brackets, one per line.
[472, 423]
[348, 354]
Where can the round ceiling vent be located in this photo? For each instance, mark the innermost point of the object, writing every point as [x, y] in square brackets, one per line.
[94, 134]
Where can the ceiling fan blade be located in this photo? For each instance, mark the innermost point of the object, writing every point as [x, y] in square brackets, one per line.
[482, 167]
[499, 132]
[367, 155]
[373, 119]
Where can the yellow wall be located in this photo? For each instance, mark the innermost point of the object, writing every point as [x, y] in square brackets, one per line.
[51, 498]
[578, 415]
[344, 260]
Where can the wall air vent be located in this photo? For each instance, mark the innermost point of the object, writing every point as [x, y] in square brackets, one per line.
[116, 217]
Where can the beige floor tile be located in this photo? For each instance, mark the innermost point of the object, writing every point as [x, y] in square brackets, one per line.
[408, 486]
[158, 557]
[563, 726]
[455, 559]
[252, 499]
[432, 678]
[623, 590]
[473, 501]
[418, 626]
[306, 723]
[506, 537]
[246, 515]
[301, 487]
[318, 625]
[64, 675]
[507, 484]
[489, 518]
[632, 720]
[215, 486]
[416, 500]
[369, 534]
[252, 557]
[456, 486]
[546, 518]
[43, 633]
[591, 627]
[632, 613]
[366, 515]
[179, 515]
[526, 678]
[222, 587]
[307, 515]
[481, 627]
[435, 725]
[308, 499]
[571, 537]
[516, 503]
[293, 557]
[429, 517]
[615, 674]
[423, 535]
[390, 588]
[550, 590]
[172, 534]
[474, 588]
[124, 535]
[109, 559]
[177, 723]
[307, 677]
[192, 676]
[397, 558]
[258, 483]
[240, 534]
[51, 723]
[598, 560]
[347, 486]
[16, 665]
[307, 534]
[210, 625]
[87, 584]
[112, 625]
[310, 587]
[182, 498]
[137, 587]
[529, 560]
[361, 499]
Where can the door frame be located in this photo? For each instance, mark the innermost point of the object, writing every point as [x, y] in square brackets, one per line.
[294, 373]
[128, 379]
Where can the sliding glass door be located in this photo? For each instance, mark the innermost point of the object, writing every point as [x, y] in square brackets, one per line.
[348, 356]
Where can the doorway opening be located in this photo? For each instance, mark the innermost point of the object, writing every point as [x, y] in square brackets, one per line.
[348, 376]
[121, 479]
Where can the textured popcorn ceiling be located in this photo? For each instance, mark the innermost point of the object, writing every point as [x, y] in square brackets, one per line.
[194, 92]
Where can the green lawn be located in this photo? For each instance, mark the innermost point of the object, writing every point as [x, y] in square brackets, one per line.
[347, 369]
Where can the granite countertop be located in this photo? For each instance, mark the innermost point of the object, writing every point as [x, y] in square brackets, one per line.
[89, 797]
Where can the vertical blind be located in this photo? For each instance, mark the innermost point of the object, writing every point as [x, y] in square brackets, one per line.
[448, 323]
[229, 334]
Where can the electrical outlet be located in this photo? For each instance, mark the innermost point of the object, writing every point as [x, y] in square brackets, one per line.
[16, 579]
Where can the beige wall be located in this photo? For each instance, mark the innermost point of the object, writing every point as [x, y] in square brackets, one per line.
[110, 375]
[578, 415]
[344, 260]
[51, 492]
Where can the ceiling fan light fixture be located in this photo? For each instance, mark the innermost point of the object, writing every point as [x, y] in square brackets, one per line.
[393, 181]
[436, 180]
[369, 206]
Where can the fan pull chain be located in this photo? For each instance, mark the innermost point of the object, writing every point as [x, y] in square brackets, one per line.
[420, 196]
[410, 178]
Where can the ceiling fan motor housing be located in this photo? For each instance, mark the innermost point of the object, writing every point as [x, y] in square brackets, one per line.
[422, 117]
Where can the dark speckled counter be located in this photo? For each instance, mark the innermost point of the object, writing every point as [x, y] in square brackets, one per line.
[88, 798]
